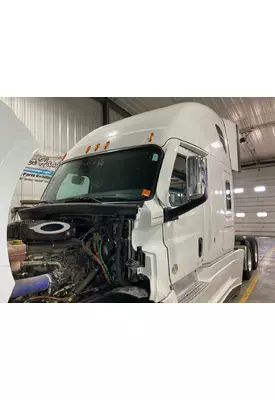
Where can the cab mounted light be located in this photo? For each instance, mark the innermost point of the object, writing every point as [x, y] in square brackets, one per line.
[88, 149]
[97, 147]
[106, 145]
[151, 135]
[65, 155]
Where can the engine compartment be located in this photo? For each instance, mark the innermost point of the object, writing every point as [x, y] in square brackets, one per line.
[78, 259]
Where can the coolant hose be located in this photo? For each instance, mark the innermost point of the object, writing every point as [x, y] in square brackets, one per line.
[89, 278]
[118, 251]
[23, 287]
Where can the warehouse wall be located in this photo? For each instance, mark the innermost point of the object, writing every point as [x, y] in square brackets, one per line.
[250, 202]
[57, 124]
[114, 116]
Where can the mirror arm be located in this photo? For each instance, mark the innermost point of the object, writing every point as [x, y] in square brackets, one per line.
[172, 214]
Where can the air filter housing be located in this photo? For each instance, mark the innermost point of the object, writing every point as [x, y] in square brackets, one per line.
[40, 231]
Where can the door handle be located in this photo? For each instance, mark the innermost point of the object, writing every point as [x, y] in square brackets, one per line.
[200, 246]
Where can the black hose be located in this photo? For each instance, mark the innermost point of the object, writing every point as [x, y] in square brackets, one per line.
[89, 278]
[118, 250]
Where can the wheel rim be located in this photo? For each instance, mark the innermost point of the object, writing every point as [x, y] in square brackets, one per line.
[249, 260]
[256, 254]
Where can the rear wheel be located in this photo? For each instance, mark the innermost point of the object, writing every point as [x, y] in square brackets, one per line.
[248, 261]
[255, 253]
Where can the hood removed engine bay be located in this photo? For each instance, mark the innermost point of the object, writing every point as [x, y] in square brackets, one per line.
[78, 252]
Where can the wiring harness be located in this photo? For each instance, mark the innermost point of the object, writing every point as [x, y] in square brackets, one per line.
[96, 254]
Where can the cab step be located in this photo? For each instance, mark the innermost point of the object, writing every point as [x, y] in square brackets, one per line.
[191, 292]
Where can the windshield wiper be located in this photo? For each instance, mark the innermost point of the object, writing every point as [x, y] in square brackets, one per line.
[116, 198]
[80, 198]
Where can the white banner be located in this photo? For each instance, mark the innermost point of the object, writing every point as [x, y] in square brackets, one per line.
[41, 166]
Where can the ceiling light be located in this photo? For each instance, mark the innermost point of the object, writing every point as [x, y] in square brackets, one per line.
[259, 189]
[262, 214]
[238, 190]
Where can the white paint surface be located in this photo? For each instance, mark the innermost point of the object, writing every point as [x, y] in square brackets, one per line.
[17, 147]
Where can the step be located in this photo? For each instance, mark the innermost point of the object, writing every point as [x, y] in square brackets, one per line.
[191, 292]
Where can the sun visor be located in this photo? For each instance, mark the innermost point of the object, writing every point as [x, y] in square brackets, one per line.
[17, 146]
[233, 140]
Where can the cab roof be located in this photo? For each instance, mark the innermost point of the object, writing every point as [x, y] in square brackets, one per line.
[189, 122]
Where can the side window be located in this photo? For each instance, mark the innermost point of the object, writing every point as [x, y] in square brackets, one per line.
[177, 189]
[221, 137]
[228, 196]
[73, 185]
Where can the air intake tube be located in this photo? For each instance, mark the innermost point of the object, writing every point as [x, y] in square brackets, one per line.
[23, 287]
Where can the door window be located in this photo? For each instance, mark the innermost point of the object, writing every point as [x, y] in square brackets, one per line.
[228, 196]
[177, 189]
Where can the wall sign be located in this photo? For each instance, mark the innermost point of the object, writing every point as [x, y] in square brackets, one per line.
[41, 167]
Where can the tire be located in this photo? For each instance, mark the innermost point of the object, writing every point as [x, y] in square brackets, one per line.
[248, 261]
[255, 249]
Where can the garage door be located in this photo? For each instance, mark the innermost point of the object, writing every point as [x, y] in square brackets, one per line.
[254, 194]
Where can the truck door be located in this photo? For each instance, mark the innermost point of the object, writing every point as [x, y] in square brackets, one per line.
[17, 147]
[183, 237]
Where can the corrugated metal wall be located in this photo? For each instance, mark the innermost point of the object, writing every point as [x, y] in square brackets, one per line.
[114, 116]
[250, 202]
[57, 124]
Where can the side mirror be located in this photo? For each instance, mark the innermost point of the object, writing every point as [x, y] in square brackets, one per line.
[196, 177]
[196, 184]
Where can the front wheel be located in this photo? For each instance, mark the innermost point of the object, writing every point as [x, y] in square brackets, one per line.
[248, 261]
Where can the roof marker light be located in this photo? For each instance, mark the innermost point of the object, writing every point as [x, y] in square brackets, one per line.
[65, 155]
[88, 149]
[151, 137]
[97, 146]
[106, 145]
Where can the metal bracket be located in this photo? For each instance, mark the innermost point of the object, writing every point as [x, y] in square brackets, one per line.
[110, 104]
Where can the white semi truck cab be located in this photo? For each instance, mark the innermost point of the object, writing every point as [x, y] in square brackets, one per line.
[141, 210]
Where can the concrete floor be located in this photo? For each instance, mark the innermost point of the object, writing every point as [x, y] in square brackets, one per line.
[262, 281]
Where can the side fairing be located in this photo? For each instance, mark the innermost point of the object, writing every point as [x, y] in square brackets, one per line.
[233, 144]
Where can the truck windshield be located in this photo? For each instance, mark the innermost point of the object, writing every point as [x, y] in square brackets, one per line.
[125, 175]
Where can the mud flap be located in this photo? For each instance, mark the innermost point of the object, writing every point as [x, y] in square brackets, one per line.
[17, 146]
